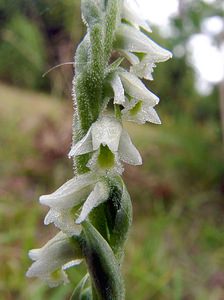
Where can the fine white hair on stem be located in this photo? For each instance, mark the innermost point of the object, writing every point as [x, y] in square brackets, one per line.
[57, 66]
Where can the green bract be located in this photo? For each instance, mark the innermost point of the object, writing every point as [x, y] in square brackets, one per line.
[93, 210]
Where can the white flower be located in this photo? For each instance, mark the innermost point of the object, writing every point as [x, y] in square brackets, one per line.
[118, 89]
[127, 83]
[110, 142]
[141, 51]
[52, 259]
[144, 68]
[139, 103]
[133, 40]
[66, 202]
[140, 111]
[134, 87]
[133, 15]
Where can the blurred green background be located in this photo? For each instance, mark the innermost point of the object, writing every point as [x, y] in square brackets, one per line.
[176, 246]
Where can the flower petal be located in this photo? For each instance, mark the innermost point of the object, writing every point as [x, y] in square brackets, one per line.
[35, 254]
[99, 195]
[131, 57]
[151, 115]
[136, 89]
[127, 151]
[83, 146]
[71, 193]
[133, 15]
[56, 278]
[106, 131]
[143, 70]
[118, 89]
[64, 220]
[130, 39]
[145, 113]
[51, 257]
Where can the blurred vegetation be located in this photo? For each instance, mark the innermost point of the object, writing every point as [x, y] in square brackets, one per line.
[35, 36]
[176, 247]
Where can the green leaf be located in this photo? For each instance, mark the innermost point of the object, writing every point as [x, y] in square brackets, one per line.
[118, 214]
[114, 217]
[82, 55]
[102, 264]
[92, 12]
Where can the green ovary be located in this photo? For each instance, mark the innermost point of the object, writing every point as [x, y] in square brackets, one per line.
[136, 109]
[106, 157]
[140, 55]
[55, 275]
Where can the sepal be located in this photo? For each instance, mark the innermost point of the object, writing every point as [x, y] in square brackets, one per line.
[133, 16]
[131, 39]
[118, 89]
[136, 89]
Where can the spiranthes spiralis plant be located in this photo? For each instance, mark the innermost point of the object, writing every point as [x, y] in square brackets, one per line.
[93, 210]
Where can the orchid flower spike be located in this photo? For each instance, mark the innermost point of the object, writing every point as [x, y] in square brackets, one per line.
[51, 261]
[110, 144]
[92, 229]
[66, 209]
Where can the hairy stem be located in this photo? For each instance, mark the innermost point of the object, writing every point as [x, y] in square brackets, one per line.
[88, 80]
